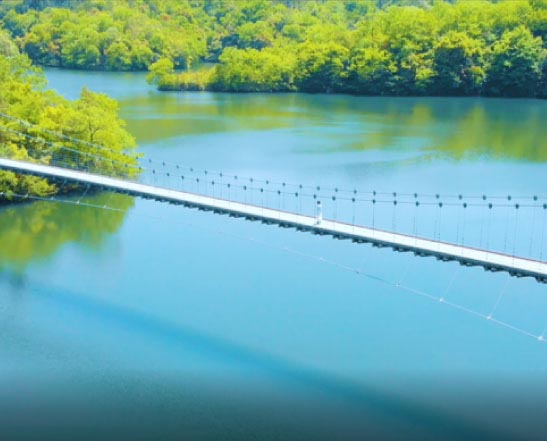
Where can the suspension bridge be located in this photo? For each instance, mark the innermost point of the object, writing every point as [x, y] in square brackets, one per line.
[258, 200]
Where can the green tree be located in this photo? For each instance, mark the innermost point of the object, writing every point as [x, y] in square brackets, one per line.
[398, 47]
[93, 118]
[249, 70]
[19, 24]
[81, 51]
[457, 62]
[117, 56]
[372, 72]
[538, 19]
[160, 69]
[515, 65]
[321, 67]
[543, 87]
[256, 35]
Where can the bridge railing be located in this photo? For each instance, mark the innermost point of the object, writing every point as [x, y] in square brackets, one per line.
[508, 224]
[50, 147]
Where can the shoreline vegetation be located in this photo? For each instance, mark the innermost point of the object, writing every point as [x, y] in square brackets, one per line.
[39, 125]
[359, 47]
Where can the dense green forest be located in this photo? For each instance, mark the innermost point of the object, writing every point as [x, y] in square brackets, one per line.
[92, 118]
[371, 47]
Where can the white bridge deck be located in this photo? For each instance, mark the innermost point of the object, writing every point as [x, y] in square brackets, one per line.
[491, 261]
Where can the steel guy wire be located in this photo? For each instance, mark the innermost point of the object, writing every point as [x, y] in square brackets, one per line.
[344, 267]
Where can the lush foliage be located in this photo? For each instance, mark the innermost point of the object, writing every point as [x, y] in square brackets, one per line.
[106, 35]
[92, 118]
[384, 47]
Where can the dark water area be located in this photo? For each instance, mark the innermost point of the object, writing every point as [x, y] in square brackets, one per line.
[158, 322]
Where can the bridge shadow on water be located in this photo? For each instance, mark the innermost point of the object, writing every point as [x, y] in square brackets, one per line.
[314, 404]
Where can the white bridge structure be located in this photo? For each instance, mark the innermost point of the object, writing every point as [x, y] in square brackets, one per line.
[466, 255]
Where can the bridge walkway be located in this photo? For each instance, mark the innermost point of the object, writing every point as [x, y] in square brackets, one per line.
[491, 261]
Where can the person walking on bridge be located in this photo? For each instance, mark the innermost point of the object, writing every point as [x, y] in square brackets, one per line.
[319, 213]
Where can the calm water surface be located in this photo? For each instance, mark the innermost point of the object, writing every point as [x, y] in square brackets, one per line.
[184, 322]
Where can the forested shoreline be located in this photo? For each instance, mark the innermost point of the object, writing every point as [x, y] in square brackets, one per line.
[39, 125]
[378, 47]
[362, 47]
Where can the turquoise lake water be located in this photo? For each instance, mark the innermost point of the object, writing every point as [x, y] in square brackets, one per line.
[168, 319]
